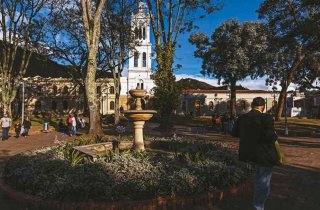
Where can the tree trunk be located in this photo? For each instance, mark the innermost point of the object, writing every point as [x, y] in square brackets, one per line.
[91, 90]
[117, 103]
[233, 110]
[92, 31]
[286, 82]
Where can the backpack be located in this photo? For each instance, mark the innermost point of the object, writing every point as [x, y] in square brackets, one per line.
[69, 120]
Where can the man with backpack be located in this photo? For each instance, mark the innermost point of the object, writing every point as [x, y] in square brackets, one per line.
[257, 145]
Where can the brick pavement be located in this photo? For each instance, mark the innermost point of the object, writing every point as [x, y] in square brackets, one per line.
[294, 186]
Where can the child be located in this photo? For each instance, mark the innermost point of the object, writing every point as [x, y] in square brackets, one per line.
[17, 128]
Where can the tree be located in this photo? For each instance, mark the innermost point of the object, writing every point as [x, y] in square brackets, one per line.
[21, 27]
[91, 15]
[66, 42]
[234, 52]
[117, 40]
[168, 20]
[295, 27]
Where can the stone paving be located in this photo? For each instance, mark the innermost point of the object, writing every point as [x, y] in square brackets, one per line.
[294, 186]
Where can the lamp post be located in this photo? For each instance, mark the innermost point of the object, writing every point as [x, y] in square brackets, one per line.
[286, 129]
[22, 106]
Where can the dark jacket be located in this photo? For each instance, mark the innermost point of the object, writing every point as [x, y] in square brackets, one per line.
[254, 128]
[27, 124]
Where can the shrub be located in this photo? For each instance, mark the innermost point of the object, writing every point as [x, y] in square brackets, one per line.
[197, 168]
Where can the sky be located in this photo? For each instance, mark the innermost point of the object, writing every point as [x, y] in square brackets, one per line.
[241, 10]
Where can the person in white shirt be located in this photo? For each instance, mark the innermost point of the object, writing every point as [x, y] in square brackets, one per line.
[74, 126]
[5, 124]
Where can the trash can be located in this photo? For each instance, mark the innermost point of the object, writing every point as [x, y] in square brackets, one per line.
[45, 127]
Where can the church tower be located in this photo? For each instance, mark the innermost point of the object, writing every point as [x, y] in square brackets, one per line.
[139, 69]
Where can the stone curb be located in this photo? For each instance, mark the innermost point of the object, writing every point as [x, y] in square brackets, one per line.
[164, 203]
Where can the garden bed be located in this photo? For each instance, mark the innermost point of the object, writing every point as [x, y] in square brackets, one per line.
[184, 169]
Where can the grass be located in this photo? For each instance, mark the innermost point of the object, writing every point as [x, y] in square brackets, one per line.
[297, 127]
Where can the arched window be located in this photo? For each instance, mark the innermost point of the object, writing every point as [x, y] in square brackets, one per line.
[144, 59]
[111, 90]
[54, 105]
[65, 105]
[111, 105]
[140, 33]
[65, 90]
[55, 90]
[37, 106]
[141, 85]
[99, 90]
[39, 89]
[144, 33]
[184, 106]
[136, 33]
[211, 105]
[136, 59]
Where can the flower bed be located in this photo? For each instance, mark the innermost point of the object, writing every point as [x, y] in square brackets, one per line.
[183, 169]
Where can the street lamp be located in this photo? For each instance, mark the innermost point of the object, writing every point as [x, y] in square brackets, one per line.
[22, 105]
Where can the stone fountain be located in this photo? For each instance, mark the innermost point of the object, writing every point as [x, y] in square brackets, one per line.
[138, 116]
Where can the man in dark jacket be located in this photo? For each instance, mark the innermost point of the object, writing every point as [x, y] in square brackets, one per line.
[256, 129]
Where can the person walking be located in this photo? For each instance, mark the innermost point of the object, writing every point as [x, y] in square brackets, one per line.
[17, 128]
[69, 124]
[74, 125]
[256, 130]
[5, 124]
[26, 126]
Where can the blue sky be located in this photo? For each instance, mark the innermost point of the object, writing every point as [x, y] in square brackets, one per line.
[241, 10]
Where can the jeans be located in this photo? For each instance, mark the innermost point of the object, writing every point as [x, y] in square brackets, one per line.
[5, 133]
[262, 186]
[74, 130]
[26, 131]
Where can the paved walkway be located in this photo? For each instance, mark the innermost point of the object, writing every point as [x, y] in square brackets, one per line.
[294, 186]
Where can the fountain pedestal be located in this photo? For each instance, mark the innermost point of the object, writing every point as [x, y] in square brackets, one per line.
[138, 135]
[138, 116]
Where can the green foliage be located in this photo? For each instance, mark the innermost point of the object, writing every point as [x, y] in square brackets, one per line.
[198, 168]
[234, 52]
[75, 157]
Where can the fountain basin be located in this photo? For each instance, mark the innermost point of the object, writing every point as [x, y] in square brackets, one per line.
[137, 93]
[139, 115]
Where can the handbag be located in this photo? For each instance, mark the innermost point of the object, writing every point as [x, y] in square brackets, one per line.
[282, 158]
[270, 154]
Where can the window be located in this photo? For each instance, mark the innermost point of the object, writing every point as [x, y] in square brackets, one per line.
[211, 105]
[136, 33]
[111, 105]
[144, 33]
[65, 90]
[141, 85]
[39, 89]
[111, 91]
[37, 106]
[136, 59]
[65, 105]
[140, 33]
[99, 90]
[54, 105]
[55, 90]
[184, 106]
[144, 59]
